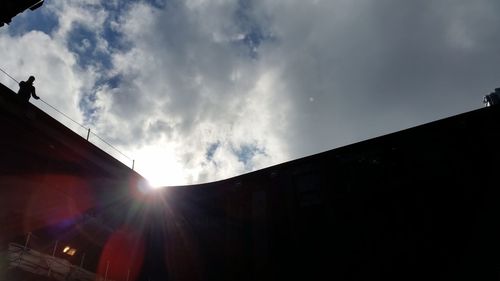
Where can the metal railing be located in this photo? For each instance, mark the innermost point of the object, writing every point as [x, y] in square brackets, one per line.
[78, 128]
[29, 260]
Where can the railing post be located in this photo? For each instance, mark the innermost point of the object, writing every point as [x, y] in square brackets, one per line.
[24, 249]
[53, 255]
[81, 262]
[27, 241]
[88, 134]
[133, 164]
[55, 248]
[106, 273]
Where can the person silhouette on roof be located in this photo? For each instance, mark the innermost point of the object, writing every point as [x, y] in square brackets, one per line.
[493, 98]
[26, 90]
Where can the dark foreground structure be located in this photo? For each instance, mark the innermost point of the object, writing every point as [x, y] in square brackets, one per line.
[413, 205]
[11, 8]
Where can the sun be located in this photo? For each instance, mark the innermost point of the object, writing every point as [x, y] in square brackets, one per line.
[159, 166]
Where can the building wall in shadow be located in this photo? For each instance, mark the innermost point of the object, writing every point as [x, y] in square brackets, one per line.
[417, 203]
[409, 205]
[56, 185]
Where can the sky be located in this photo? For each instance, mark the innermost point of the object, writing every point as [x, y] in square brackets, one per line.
[201, 90]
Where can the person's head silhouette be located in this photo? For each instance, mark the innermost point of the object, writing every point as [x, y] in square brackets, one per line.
[31, 79]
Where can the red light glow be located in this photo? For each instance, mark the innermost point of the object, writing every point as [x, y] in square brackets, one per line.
[123, 252]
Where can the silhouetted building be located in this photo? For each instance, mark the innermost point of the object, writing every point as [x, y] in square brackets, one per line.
[10, 8]
[416, 204]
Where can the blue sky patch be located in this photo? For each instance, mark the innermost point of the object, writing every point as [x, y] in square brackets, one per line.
[211, 150]
[114, 82]
[87, 105]
[83, 42]
[245, 153]
[114, 38]
[87, 102]
[41, 20]
[159, 4]
[253, 31]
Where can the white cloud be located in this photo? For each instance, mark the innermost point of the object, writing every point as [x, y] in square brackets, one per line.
[211, 89]
[186, 87]
[378, 67]
[88, 13]
[58, 79]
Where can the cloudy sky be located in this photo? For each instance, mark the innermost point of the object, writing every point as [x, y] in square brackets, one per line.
[201, 90]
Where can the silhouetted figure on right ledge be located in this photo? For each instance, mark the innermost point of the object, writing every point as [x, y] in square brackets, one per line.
[26, 90]
[493, 98]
